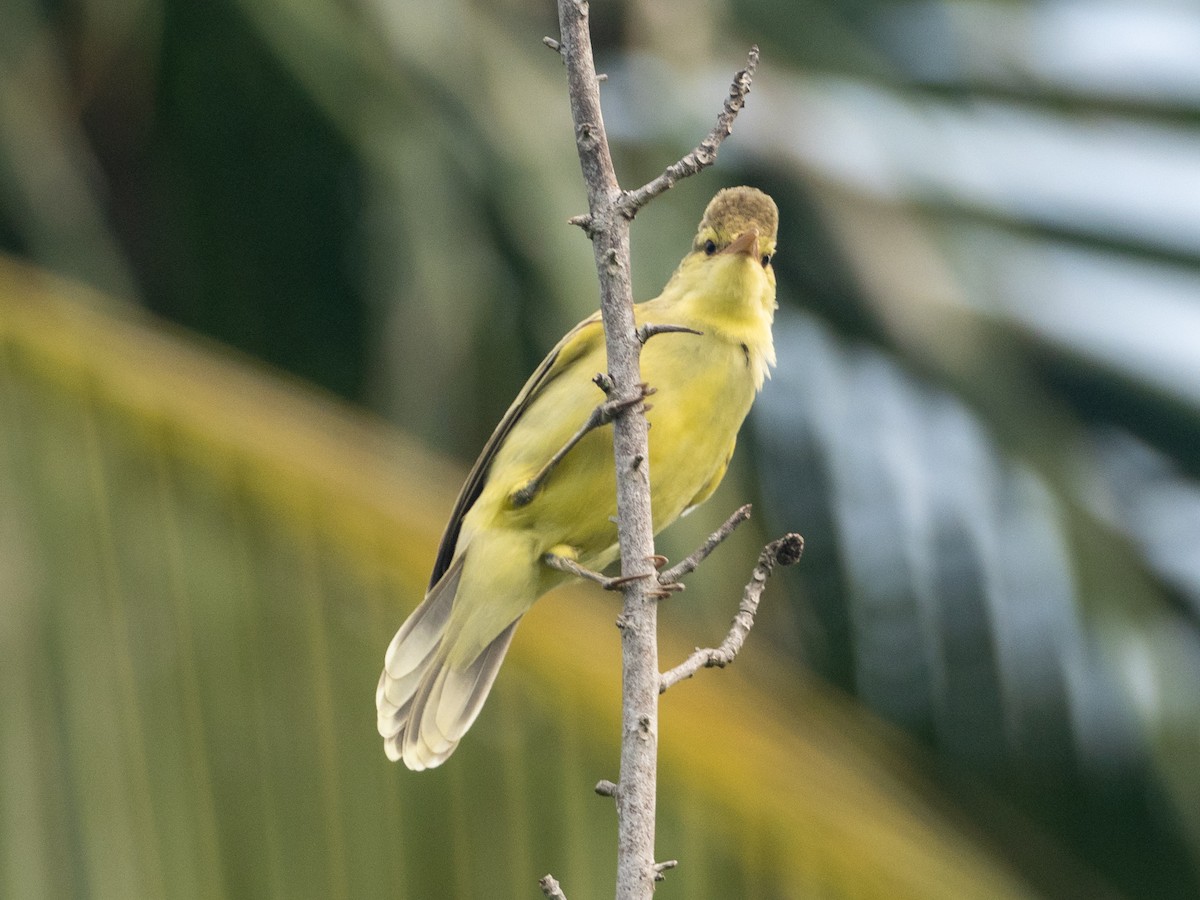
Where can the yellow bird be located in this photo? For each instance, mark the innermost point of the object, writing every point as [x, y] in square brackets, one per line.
[490, 567]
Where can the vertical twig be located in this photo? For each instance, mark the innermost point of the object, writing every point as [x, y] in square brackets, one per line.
[609, 231]
[610, 210]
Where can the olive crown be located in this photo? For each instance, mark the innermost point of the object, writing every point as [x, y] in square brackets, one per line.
[732, 210]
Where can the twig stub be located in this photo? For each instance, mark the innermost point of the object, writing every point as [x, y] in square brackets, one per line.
[789, 549]
[584, 221]
[660, 869]
[551, 888]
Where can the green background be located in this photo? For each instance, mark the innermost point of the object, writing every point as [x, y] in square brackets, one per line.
[273, 270]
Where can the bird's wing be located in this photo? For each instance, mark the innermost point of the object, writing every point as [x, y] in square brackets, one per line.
[575, 343]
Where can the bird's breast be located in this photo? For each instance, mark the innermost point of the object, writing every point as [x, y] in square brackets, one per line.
[704, 388]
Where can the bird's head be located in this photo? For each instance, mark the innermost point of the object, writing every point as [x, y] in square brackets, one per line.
[732, 251]
[739, 222]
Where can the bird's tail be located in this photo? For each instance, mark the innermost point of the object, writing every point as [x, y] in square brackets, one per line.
[425, 703]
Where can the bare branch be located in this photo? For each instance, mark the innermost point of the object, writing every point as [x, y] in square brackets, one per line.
[784, 552]
[701, 553]
[551, 888]
[706, 153]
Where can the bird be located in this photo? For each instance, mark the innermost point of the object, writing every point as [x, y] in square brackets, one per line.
[525, 501]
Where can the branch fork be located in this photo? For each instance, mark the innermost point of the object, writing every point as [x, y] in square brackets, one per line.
[783, 552]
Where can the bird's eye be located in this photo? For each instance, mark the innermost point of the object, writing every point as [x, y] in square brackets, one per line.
[709, 248]
[766, 260]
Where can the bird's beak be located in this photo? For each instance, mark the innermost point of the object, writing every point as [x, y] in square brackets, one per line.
[746, 242]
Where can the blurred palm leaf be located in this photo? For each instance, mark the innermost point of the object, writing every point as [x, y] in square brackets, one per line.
[200, 570]
[991, 435]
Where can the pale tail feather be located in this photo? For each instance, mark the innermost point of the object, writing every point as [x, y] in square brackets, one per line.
[411, 651]
[424, 705]
[447, 703]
